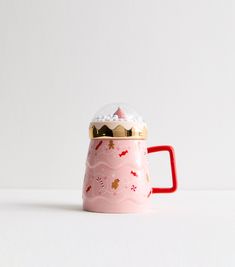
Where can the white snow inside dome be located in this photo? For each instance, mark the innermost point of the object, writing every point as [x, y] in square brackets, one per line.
[117, 112]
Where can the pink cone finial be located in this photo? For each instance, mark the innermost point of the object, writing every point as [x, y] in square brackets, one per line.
[120, 113]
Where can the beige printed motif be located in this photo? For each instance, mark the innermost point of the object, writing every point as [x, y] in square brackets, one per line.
[111, 144]
[147, 178]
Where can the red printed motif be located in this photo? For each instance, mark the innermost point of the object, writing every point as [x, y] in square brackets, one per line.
[100, 181]
[123, 153]
[134, 173]
[88, 188]
[99, 144]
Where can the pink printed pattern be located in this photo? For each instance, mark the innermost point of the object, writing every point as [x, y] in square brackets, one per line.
[116, 171]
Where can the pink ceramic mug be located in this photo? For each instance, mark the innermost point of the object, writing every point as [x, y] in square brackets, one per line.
[117, 175]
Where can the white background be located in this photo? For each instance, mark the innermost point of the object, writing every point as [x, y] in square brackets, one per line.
[60, 61]
[48, 228]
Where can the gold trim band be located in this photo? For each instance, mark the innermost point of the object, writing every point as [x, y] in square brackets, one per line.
[118, 132]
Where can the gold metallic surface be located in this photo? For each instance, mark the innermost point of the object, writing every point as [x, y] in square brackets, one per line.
[118, 132]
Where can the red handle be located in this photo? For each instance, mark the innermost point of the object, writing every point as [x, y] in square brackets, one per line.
[173, 168]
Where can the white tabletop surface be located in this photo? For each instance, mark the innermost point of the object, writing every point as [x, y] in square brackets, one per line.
[48, 228]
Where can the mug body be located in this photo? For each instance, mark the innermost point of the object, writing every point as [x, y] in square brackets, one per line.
[117, 176]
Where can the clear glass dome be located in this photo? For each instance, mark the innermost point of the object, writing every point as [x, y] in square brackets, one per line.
[117, 112]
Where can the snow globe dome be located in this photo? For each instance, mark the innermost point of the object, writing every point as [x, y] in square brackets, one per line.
[118, 120]
[117, 112]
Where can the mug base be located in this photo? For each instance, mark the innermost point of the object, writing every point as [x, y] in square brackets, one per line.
[125, 206]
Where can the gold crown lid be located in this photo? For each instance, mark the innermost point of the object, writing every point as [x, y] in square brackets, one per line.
[117, 121]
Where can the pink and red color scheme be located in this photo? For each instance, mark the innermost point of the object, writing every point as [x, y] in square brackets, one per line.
[120, 184]
[117, 172]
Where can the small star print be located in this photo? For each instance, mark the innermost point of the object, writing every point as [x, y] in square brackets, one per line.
[133, 188]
